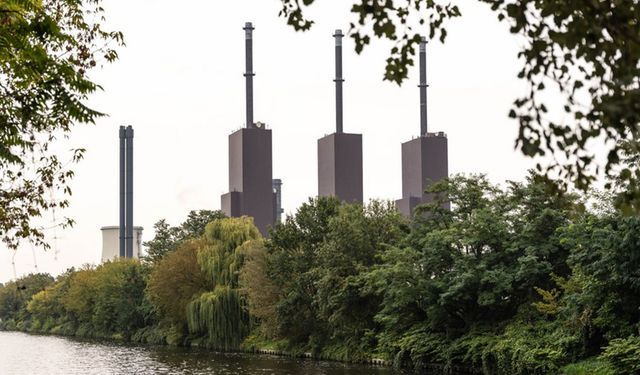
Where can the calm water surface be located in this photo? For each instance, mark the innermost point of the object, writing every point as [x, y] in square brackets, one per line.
[21, 353]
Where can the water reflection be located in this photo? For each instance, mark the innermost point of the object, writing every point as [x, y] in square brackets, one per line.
[27, 354]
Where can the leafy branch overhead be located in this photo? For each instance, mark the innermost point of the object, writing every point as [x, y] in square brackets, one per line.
[585, 54]
[47, 48]
[385, 19]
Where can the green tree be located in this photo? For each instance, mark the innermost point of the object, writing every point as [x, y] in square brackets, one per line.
[46, 308]
[79, 300]
[15, 295]
[261, 293]
[457, 288]
[176, 279]
[119, 298]
[358, 236]
[197, 221]
[165, 241]
[220, 313]
[585, 52]
[47, 49]
[602, 294]
[168, 238]
[316, 258]
[294, 245]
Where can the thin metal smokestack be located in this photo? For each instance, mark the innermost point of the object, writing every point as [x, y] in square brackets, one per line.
[248, 40]
[423, 86]
[338, 36]
[129, 193]
[122, 191]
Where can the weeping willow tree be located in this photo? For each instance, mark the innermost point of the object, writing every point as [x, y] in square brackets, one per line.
[221, 314]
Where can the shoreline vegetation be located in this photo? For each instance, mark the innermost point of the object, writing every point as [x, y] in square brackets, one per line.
[521, 279]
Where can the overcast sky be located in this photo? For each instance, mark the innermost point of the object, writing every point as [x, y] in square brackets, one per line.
[179, 83]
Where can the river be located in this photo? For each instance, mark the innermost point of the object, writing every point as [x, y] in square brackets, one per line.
[22, 353]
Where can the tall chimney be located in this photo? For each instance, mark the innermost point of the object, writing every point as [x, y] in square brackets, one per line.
[129, 193]
[276, 183]
[122, 191]
[423, 86]
[248, 40]
[338, 36]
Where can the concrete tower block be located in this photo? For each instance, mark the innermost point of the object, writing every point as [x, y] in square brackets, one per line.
[231, 204]
[340, 167]
[250, 174]
[424, 161]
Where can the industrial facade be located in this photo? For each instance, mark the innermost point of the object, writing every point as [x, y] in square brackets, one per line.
[340, 167]
[425, 159]
[250, 185]
[340, 154]
[250, 161]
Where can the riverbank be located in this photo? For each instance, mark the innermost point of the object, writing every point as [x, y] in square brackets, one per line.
[252, 345]
[516, 281]
[249, 346]
[52, 355]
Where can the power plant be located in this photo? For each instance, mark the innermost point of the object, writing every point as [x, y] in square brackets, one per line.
[425, 159]
[340, 154]
[253, 191]
[250, 169]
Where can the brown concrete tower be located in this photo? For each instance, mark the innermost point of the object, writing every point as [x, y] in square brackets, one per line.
[250, 162]
[340, 154]
[424, 159]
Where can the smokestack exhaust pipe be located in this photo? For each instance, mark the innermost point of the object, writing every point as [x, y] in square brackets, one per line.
[248, 45]
[122, 133]
[339, 116]
[423, 87]
[129, 193]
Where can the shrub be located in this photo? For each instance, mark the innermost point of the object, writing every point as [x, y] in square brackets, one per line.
[592, 366]
[624, 355]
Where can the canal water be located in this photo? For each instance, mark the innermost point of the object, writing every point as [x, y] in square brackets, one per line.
[22, 353]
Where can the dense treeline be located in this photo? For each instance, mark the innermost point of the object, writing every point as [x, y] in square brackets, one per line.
[515, 280]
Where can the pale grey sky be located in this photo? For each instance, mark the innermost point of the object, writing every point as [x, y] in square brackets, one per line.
[179, 83]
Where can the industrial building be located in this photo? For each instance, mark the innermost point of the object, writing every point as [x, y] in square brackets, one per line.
[250, 161]
[111, 239]
[425, 158]
[339, 153]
